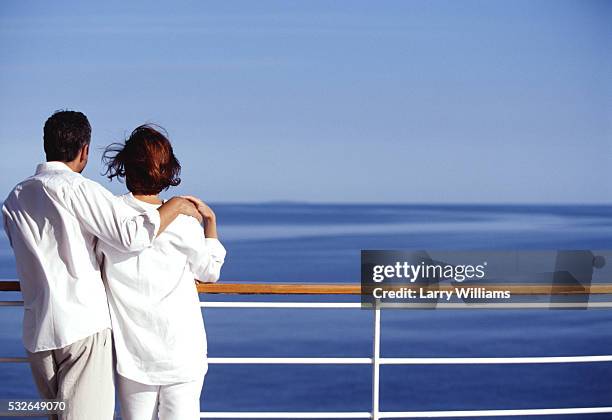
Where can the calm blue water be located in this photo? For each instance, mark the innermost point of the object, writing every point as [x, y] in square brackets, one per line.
[321, 243]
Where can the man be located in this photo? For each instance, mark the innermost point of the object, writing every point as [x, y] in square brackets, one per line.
[53, 220]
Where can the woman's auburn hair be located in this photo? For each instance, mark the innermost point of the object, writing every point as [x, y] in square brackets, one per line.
[145, 160]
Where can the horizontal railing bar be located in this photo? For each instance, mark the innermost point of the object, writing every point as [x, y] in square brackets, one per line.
[406, 414]
[492, 360]
[9, 286]
[355, 288]
[498, 305]
[11, 303]
[280, 288]
[296, 305]
[13, 359]
[283, 415]
[458, 305]
[356, 305]
[390, 360]
[290, 360]
[495, 413]
[249, 288]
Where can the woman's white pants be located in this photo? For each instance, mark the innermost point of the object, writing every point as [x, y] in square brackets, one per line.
[180, 401]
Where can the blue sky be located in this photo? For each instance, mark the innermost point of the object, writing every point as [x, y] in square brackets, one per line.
[335, 101]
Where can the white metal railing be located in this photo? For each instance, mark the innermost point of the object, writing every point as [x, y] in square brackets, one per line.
[376, 361]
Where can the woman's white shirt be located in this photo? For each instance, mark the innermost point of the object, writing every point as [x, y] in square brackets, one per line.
[156, 317]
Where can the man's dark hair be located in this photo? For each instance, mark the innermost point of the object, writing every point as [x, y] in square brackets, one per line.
[146, 161]
[65, 133]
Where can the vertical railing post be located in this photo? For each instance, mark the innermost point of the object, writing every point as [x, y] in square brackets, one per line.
[376, 361]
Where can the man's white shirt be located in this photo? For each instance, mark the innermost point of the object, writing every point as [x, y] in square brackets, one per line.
[53, 220]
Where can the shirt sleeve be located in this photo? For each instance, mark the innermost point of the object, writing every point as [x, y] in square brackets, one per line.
[104, 216]
[204, 255]
[5, 220]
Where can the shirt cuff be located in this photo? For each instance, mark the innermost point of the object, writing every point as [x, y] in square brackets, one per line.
[216, 248]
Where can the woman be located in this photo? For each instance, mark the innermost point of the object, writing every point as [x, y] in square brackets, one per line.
[157, 323]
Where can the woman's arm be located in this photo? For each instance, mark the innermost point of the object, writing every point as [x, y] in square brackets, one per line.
[208, 216]
[172, 208]
[208, 256]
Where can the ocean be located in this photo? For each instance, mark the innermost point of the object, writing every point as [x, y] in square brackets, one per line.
[304, 243]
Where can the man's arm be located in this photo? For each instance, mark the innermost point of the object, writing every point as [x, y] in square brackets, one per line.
[103, 215]
[5, 219]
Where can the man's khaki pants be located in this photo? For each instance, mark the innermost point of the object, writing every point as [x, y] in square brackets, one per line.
[81, 374]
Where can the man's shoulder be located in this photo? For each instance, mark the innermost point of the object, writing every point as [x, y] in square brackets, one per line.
[63, 179]
[68, 186]
[52, 183]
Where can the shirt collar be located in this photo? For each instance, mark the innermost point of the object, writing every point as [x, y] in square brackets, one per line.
[129, 197]
[52, 166]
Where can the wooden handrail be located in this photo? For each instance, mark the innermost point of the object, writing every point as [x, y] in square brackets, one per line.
[280, 288]
[355, 288]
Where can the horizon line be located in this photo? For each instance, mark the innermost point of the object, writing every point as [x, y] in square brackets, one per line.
[409, 203]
